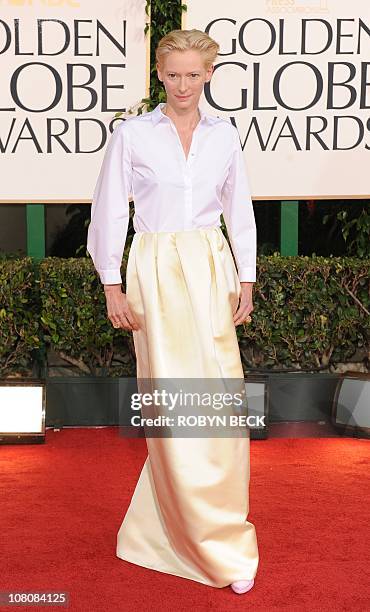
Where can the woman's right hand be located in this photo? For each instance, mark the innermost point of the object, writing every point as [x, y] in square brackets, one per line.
[119, 312]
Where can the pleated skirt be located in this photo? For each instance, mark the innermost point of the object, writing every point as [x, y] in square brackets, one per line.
[188, 513]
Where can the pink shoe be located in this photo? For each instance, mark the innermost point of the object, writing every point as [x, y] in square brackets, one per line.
[242, 586]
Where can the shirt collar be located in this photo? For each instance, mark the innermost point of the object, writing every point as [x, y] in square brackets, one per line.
[157, 114]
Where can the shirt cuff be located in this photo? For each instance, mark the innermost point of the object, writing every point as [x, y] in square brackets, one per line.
[110, 277]
[247, 274]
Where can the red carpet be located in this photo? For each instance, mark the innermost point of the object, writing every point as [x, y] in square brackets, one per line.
[63, 502]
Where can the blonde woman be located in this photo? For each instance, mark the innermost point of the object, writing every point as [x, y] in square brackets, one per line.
[184, 297]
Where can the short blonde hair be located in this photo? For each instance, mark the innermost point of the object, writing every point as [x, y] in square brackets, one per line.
[182, 40]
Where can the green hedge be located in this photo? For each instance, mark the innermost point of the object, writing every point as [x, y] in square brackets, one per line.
[74, 321]
[309, 313]
[20, 333]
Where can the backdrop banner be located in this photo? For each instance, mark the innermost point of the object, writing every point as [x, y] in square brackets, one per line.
[294, 77]
[66, 68]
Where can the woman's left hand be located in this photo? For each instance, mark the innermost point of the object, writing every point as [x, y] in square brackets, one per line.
[245, 304]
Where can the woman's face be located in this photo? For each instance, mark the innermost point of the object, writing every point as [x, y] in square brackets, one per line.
[183, 75]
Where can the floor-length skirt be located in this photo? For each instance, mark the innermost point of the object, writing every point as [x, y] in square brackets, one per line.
[188, 513]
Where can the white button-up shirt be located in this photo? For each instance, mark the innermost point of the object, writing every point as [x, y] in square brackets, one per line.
[145, 161]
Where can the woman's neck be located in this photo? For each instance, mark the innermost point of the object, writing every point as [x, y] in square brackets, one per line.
[180, 121]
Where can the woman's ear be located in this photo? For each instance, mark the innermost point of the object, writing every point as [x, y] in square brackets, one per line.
[209, 73]
[159, 71]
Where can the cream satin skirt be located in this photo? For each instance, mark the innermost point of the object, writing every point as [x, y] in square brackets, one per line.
[188, 513]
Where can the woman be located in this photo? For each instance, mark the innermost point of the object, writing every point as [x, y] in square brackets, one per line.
[187, 516]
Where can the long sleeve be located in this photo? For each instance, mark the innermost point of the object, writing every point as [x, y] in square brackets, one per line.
[110, 208]
[239, 215]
